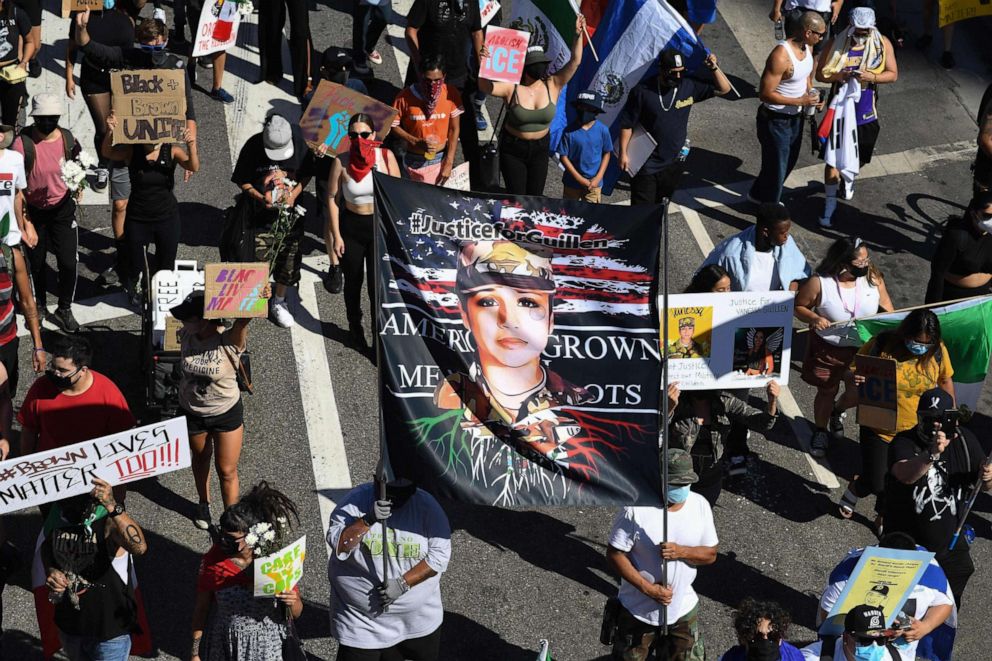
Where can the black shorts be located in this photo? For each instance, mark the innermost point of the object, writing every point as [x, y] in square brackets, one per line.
[425, 648]
[227, 421]
[33, 9]
[867, 137]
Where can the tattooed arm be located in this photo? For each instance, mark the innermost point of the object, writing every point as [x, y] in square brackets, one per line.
[122, 529]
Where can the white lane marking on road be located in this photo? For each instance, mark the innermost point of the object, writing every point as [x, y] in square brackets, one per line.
[320, 412]
[92, 311]
[55, 30]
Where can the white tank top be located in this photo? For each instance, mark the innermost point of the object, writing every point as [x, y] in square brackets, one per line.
[360, 192]
[796, 86]
[841, 304]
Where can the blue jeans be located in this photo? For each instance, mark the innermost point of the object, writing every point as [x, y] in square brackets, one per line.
[88, 648]
[367, 25]
[781, 138]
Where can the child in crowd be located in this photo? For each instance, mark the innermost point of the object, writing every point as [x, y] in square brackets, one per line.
[585, 150]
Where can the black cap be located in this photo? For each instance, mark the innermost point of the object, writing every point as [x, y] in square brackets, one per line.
[935, 401]
[865, 620]
[536, 55]
[670, 59]
[190, 308]
[591, 99]
[981, 199]
[336, 58]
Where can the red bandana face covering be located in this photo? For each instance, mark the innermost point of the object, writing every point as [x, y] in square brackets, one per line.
[361, 157]
[431, 89]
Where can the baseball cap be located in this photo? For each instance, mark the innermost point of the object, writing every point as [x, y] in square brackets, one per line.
[190, 308]
[863, 18]
[277, 138]
[46, 104]
[934, 401]
[336, 58]
[680, 471]
[590, 98]
[535, 55]
[864, 620]
[670, 59]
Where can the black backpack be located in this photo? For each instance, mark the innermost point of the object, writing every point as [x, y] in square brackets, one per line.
[30, 153]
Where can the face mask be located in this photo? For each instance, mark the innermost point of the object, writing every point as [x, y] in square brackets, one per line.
[983, 221]
[917, 348]
[678, 495]
[46, 125]
[339, 77]
[858, 271]
[109, 4]
[670, 78]
[400, 493]
[869, 653]
[763, 650]
[229, 545]
[537, 71]
[860, 39]
[586, 116]
[61, 382]
[431, 91]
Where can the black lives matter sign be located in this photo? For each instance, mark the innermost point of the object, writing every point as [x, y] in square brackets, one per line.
[150, 105]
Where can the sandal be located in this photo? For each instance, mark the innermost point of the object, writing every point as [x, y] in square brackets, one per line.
[847, 504]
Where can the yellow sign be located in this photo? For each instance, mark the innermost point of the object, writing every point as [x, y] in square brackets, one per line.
[952, 11]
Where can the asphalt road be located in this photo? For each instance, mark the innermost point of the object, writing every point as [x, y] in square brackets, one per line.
[517, 576]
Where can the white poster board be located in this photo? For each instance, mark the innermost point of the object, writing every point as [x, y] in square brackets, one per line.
[731, 340]
[281, 571]
[218, 27]
[487, 10]
[639, 149]
[132, 455]
[459, 179]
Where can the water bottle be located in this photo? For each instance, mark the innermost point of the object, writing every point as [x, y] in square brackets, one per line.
[780, 30]
[684, 152]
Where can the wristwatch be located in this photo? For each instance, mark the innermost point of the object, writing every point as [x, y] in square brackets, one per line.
[934, 458]
[117, 511]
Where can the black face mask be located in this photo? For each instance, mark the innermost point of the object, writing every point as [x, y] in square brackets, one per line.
[158, 57]
[228, 544]
[858, 271]
[586, 116]
[763, 650]
[400, 494]
[537, 71]
[46, 125]
[61, 382]
[339, 77]
[669, 78]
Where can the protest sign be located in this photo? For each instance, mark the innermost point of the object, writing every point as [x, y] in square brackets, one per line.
[487, 10]
[128, 456]
[459, 179]
[582, 354]
[884, 579]
[80, 5]
[281, 571]
[507, 50]
[729, 340]
[218, 27]
[170, 339]
[234, 290]
[150, 105]
[877, 395]
[952, 11]
[325, 123]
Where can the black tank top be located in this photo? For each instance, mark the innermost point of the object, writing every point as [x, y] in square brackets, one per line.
[107, 609]
[152, 183]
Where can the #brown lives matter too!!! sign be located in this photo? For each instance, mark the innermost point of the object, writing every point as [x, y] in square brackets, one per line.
[150, 105]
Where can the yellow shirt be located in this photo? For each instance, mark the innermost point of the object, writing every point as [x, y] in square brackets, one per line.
[911, 382]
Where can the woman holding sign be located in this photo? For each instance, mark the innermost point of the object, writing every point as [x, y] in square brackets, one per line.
[531, 107]
[847, 286]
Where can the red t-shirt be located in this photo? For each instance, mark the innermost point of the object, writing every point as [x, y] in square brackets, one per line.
[62, 419]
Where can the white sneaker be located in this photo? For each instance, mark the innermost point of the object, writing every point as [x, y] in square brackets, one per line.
[847, 190]
[281, 315]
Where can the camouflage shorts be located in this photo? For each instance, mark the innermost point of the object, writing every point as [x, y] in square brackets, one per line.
[286, 269]
[635, 640]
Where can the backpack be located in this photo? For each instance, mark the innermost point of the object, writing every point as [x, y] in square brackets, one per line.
[30, 153]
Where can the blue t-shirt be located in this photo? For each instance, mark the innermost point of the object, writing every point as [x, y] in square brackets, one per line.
[585, 149]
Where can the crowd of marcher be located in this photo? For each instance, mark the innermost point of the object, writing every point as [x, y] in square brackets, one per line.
[385, 589]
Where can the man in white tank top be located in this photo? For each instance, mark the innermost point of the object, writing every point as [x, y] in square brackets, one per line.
[785, 90]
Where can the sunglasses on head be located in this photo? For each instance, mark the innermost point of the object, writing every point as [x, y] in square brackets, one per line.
[365, 135]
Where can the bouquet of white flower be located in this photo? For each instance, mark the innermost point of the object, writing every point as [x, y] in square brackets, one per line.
[74, 171]
[288, 214]
[266, 538]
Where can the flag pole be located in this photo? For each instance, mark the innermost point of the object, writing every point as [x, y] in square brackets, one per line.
[664, 406]
[578, 10]
[377, 348]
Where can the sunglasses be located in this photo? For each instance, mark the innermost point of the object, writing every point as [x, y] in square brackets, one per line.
[869, 640]
[821, 35]
[365, 135]
[773, 635]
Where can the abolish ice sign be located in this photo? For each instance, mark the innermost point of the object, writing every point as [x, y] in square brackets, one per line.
[507, 50]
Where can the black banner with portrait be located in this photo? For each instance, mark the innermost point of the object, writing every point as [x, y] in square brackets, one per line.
[519, 358]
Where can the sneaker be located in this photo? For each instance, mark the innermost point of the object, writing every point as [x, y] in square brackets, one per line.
[280, 314]
[102, 179]
[818, 444]
[947, 60]
[108, 278]
[826, 222]
[361, 69]
[334, 280]
[375, 57]
[836, 424]
[221, 94]
[62, 317]
[738, 466]
[205, 63]
[480, 121]
[846, 190]
[202, 517]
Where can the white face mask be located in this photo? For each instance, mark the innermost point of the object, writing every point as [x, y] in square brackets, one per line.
[860, 39]
[986, 225]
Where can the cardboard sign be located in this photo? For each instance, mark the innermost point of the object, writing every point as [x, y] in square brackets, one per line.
[218, 27]
[883, 578]
[507, 50]
[487, 10]
[731, 340]
[952, 11]
[132, 455]
[459, 179]
[80, 5]
[150, 105]
[281, 571]
[877, 395]
[325, 123]
[234, 291]
[170, 341]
